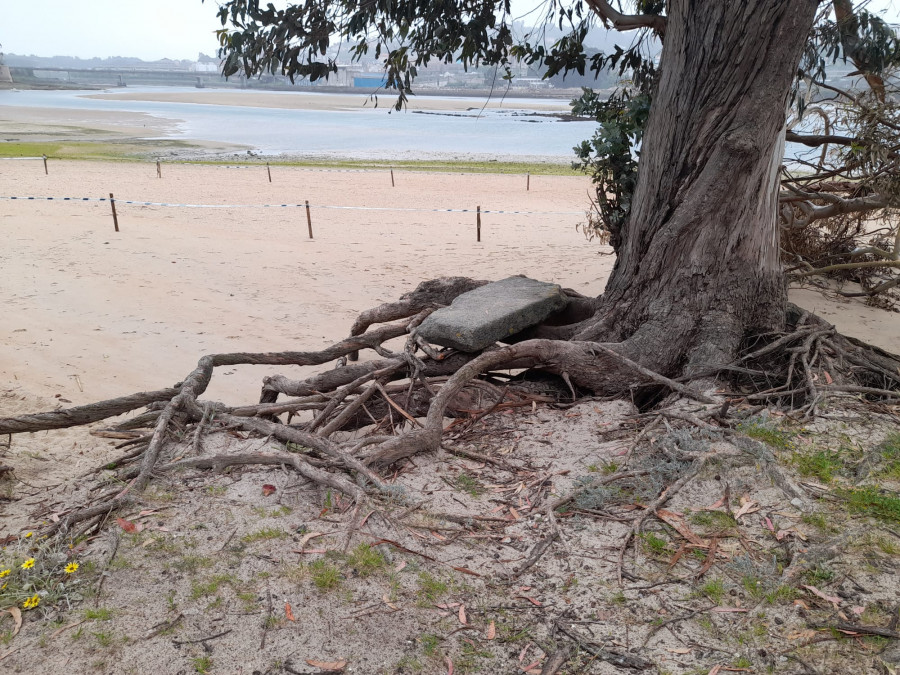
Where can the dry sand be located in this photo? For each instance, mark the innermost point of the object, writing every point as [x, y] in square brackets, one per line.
[90, 313]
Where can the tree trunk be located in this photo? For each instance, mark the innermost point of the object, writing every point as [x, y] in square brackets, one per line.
[698, 264]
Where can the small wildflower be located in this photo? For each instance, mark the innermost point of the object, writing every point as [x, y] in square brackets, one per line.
[3, 587]
[71, 567]
[28, 564]
[5, 573]
[32, 602]
[29, 534]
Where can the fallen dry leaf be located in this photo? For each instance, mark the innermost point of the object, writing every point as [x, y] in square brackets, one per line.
[328, 666]
[128, 526]
[16, 614]
[747, 507]
[462, 615]
[834, 600]
[532, 667]
[388, 602]
[491, 631]
[676, 521]
[306, 537]
[801, 635]
[715, 670]
[268, 489]
[728, 610]
[449, 665]
[534, 602]
[400, 566]
[288, 612]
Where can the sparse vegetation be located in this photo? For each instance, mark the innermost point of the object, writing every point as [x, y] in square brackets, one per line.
[264, 534]
[366, 560]
[821, 464]
[325, 575]
[871, 501]
[431, 589]
[202, 664]
[763, 429]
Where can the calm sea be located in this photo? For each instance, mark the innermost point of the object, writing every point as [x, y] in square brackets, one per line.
[361, 132]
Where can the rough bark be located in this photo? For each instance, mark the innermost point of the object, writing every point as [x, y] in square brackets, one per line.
[698, 261]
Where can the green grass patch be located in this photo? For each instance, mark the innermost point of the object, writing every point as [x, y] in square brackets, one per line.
[890, 451]
[656, 545]
[430, 643]
[871, 501]
[366, 560]
[469, 485]
[98, 614]
[325, 575]
[264, 534]
[818, 521]
[126, 150]
[783, 595]
[202, 664]
[211, 585]
[192, 563]
[714, 590]
[767, 432]
[431, 589]
[714, 520]
[821, 464]
[818, 575]
[456, 166]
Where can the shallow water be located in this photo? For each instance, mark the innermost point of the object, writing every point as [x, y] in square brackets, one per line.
[363, 132]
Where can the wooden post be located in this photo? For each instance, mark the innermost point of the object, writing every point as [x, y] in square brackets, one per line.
[46, 173]
[478, 222]
[392, 177]
[528, 183]
[112, 203]
[308, 219]
[269, 172]
[158, 170]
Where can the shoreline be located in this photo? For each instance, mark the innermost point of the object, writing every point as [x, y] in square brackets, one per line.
[84, 133]
[338, 101]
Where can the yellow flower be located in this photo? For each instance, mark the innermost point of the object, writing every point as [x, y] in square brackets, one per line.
[3, 587]
[5, 573]
[32, 602]
[28, 564]
[29, 534]
[71, 567]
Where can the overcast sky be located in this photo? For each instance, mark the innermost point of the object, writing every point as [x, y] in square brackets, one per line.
[148, 29]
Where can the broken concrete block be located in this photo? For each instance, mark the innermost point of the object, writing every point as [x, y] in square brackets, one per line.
[493, 312]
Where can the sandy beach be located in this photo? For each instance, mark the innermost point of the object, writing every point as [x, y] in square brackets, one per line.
[90, 313]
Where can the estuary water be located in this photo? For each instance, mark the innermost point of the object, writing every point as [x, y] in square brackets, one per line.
[356, 130]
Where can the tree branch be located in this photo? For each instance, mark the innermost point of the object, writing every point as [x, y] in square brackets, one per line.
[817, 140]
[625, 22]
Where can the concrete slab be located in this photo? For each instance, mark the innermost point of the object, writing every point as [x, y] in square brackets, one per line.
[493, 312]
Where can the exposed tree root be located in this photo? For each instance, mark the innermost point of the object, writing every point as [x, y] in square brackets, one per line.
[420, 387]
